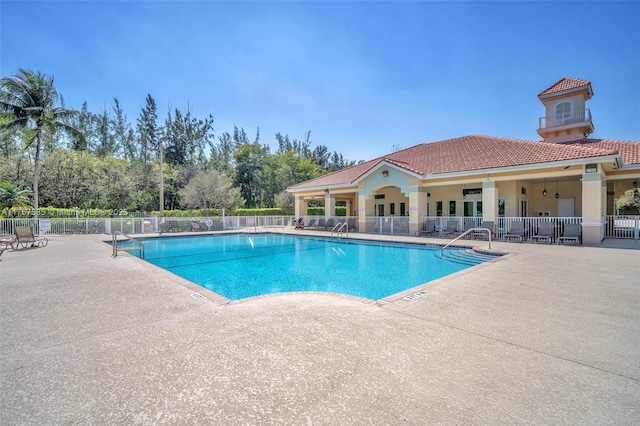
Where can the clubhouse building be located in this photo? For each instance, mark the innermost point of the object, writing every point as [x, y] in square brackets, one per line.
[566, 177]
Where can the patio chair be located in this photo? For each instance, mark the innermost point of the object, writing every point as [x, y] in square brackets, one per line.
[320, 224]
[172, 226]
[428, 228]
[571, 233]
[195, 226]
[352, 224]
[515, 232]
[311, 224]
[545, 232]
[24, 236]
[451, 228]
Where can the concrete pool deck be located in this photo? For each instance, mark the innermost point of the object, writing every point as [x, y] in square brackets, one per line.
[546, 335]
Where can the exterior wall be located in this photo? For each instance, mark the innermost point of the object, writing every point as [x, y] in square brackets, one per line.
[507, 190]
[576, 99]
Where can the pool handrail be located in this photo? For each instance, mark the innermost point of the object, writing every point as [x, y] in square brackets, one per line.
[114, 244]
[339, 229]
[468, 231]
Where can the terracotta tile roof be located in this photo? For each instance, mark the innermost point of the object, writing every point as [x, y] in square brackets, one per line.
[479, 152]
[630, 151]
[566, 83]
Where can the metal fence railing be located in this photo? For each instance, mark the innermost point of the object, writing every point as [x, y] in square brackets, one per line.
[619, 226]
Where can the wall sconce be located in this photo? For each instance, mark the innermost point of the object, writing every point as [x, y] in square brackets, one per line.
[557, 195]
[544, 191]
[385, 173]
[326, 191]
[428, 194]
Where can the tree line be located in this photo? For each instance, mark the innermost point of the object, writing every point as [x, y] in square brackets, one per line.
[87, 159]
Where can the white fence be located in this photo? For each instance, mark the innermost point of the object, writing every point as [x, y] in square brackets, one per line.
[627, 226]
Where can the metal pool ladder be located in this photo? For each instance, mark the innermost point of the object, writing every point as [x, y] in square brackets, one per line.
[114, 244]
[339, 229]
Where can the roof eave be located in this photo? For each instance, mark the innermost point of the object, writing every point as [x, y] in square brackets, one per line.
[525, 167]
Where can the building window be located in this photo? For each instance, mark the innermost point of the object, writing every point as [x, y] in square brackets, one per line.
[403, 209]
[501, 206]
[438, 208]
[563, 112]
[392, 208]
[452, 208]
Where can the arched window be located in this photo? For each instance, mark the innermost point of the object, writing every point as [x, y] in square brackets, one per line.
[563, 112]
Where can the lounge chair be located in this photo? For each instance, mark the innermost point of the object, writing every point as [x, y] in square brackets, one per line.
[172, 226]
[451, 228]
[352, 224]
[571, 233]
[515, 232]
[195, 226]
[469, 224]
[320, 224]
[329, 224]
[24, 236]
[311, 224]
[481, 234]
[7, 241]
[428, 228]
[545, 232]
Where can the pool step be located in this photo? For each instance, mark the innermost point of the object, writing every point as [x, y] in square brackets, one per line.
[466, 256]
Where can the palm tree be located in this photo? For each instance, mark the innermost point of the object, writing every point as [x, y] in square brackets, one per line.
[11, 196]
[28, 101]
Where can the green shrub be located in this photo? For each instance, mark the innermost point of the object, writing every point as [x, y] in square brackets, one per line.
[259, 212]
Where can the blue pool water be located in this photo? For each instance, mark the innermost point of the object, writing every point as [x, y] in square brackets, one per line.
[244, 265]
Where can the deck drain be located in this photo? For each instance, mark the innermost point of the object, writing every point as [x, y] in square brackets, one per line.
[414, 296]
[196, 295]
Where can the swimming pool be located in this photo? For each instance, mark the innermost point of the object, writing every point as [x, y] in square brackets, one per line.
[245, 265]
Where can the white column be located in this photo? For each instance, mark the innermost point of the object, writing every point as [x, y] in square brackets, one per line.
[417, 208]
[329, 205]
[593, 203]
[489, 201]
[300, 206]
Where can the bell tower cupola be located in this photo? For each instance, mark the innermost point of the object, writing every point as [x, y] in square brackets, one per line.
[566, 116]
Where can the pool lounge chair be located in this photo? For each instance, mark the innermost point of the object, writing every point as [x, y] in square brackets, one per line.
[469, 224]
[545, 232]
[320, 225]
[195, 226]
[428, 228]
[172, 226]
[571, 233]
[451, 228]
[481, 234]
[25, 237]
[515, 232]
[352, 225]
[328, 226]
[311, 224]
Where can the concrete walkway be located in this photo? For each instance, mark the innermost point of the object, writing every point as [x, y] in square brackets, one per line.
[546, 335]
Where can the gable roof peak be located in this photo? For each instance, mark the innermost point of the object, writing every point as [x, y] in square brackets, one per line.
[565, 84]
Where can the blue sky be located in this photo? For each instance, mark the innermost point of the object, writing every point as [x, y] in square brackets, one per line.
[363, 77]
